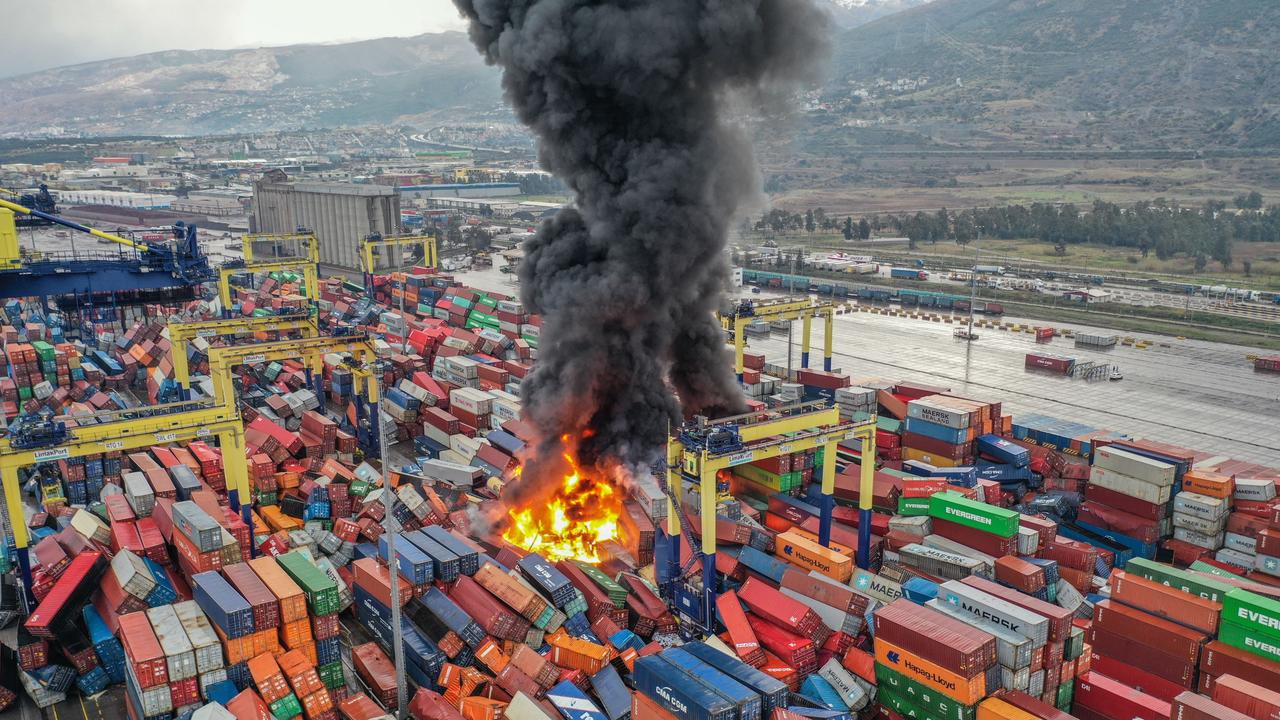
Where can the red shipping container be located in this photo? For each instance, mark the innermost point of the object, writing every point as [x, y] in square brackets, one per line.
[1221, 659]
[266, 607]
[1190, 706]
[1134, 677]
[1109, 518]
[142, 650]
[249, 706]
[979, 540]
[1132, 652]
[1104, 695]
[1257, 702]
[1165, 636]
[1159, 599]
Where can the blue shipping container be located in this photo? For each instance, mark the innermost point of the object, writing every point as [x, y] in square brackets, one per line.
[222, 604]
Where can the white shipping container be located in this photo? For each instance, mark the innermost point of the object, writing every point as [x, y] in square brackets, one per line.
[1201, 525]
[522, 707]
[179, 655]
[1240, 543]
[831, 617]
[139, 493]
[210, 678]
[464, 446]
[132, 574]
[1268, 564]
[1013, 650]
[936, 413]
[459, 365]
[91, 527]
[204, 641]
[415, 391]
[213, 711]
[458, 474]
[155, 700]
[1263, 489]
[987, 568]
[1134, 465]
[1244, 561]
[850, 692]
[1131, 486]
[476, 402]
[1028, 541]
[410, 497]
[1202, 506]
[435, 434]
[994, 609]
[1208, 542]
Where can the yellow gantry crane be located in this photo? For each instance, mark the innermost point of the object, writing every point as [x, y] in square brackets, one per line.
[118, 431]
[307, 262]
[704, 447]
[806, 310]
[181, 333]
[311, 351]
[371, 246]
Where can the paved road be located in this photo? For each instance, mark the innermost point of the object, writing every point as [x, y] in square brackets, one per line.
[1199, 394]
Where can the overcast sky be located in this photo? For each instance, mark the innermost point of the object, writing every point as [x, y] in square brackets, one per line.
[41, 34]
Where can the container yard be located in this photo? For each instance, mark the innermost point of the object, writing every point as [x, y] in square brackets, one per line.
[250, 491]
[986, 563]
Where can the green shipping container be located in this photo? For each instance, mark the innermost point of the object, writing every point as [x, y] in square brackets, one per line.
[1205, 587]
[1204, 567]
[331, 675]
[488, 302]
[286, 707]
[1250, 639]
[320, 589]
[933, 704]
[913, 506]
[358, 488]
[1253, 611]
[974, 514]
[43, 350]
[1066, 696]
[616, 592]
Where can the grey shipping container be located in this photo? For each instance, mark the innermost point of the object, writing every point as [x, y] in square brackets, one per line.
[178, 652]
[133, 574]
[1013, 650]
[194, 523]
[995, 610]
[139, 493]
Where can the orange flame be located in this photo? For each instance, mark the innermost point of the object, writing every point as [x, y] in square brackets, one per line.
[582, 512]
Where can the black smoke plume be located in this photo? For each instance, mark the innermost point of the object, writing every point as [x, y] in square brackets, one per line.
[628, 101]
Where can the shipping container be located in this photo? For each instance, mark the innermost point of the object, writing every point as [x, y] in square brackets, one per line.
[224, 607]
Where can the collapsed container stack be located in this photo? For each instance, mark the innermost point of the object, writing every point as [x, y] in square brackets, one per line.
[1004, 582]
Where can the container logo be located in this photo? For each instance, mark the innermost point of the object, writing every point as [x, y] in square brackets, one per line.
[664, 692]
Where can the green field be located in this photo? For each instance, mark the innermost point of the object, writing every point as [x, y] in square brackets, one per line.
[1264, 258]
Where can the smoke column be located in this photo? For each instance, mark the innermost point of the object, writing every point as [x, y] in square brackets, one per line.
[627, 99]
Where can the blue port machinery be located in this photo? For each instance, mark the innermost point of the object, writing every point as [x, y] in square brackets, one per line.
[122, 431]
[764, 435]
[176, 262]
[181, 333]
[805, 310]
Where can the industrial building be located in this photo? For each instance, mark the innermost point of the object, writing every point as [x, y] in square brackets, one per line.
[460, 190]
[339, 214]
[118, 198]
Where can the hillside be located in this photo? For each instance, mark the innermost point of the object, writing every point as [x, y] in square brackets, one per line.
[214, 91]
[1069, 74]
[1174, 73]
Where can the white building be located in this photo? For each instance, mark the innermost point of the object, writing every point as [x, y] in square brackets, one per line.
[117, 198]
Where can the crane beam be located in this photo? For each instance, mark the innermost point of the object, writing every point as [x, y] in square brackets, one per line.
[24, 210]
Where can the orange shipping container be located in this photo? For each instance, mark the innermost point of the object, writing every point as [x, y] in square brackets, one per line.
[807, 554]
[293, 603]
[1208, 483]
[961, 689]
[997, 709]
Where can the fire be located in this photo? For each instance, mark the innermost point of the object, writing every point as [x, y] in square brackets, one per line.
[582, 512]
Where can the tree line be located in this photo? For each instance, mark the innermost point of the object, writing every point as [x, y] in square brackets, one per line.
[1167, 228]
